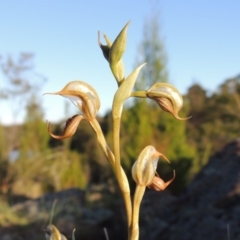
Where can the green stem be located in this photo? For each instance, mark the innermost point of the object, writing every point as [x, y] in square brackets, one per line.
[116, 147]
[139, 94]
[102, 142]
[139, 192]
[122, 181]
[121, 176]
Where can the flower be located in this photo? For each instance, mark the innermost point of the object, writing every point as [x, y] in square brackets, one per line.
[69, 129]
[144, 169]
[167, 97]
[52, 233]
[158, 184]
[85, 98]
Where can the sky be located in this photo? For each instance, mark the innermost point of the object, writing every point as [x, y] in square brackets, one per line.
[201, 39]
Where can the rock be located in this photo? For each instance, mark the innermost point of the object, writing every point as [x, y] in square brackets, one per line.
[70, 212]
[209, 209]
[67, 200]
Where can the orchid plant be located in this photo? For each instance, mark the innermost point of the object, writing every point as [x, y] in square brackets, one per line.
[86, 99]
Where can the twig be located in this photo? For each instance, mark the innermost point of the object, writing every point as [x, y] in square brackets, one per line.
[228, 231]
[52, 211]
[106, 234]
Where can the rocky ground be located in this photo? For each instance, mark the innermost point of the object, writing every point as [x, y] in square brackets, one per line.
[208, 209]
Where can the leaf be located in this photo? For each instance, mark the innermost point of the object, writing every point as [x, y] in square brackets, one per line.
[124, 92]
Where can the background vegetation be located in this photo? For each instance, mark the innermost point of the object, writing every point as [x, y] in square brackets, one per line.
[31, 163]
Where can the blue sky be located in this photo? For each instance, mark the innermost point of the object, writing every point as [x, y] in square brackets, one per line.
[201, 37]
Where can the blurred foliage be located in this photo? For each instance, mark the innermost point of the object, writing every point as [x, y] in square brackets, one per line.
[8, 217]
[32, 163]
[34, 128]
[46, 165]
[48, 171]
[29, 164]
[19, 81]
[215, 119]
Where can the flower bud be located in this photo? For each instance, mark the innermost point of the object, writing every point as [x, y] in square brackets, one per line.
[118, 46]
[113, 53]
[167, 97]
[83, 96]
[52, 233]
[143, 170]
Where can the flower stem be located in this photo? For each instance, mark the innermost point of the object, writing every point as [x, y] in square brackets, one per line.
[139, 192]
[139, 94]
[120, 174]
[102, 142]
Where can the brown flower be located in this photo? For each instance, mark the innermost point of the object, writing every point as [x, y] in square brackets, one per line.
[144, 169]
[85, 98]
[70, 128]
[167, 97]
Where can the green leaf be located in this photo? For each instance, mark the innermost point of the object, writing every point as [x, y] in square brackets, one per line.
[124, 92]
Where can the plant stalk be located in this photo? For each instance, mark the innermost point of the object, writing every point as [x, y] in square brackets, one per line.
[139, 192]
[122, 180]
